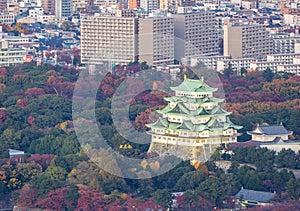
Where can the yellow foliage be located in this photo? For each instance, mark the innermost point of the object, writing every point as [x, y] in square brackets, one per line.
[144, 164]
[2, 175]
[196, 163]
[63, 125]
[124, 196]
[154, 166]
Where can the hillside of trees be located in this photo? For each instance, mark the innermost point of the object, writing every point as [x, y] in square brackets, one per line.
[56, 174]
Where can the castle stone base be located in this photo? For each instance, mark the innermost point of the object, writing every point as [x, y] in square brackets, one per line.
[201, 154]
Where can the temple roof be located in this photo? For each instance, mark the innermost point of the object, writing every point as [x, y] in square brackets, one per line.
[254, 195]
[193, 100]
[180, 108]
[190, 85]
[276, 141]
[187, 125]
[270, 130]
[229, 124]
[219, 110]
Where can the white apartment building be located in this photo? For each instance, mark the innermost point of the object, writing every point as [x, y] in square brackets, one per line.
[208, 61]
[149, 5]
[48, 19]
[195, 34]
[112, 39]
[263, 65]
[9, 55]
[36, 12]
[246, 41]
[156, 40]
[7, 18]
[285, 43]
[292, 20]
[289, 68]
[287, 58]
[237, 64]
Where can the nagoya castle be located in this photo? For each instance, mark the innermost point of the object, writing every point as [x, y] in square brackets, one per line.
[193, 124]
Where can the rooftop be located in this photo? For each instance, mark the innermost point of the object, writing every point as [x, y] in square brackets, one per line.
[191, 85]
[254, 195]
[270, 130]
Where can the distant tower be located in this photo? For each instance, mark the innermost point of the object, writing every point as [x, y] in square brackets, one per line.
[63, 8]
[193, 124]
[3, 5]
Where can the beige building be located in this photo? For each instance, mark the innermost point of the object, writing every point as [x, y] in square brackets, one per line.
[109, 39]
[156, 40]
[195, 34]
[49, 6]
[7, 18]
[10, 55]
[245, 41]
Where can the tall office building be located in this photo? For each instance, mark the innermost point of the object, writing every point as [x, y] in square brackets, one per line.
[63, 8]
[3, 5]
[195, 34]
[108, 39]
[156, 40]
[149, 5]
[133, 4]
[48, 6]
[247, 41]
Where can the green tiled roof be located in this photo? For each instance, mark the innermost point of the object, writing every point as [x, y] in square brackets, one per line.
[160, 123]
[193, 100]
[219, 110]
[229, 124]
[190, 85]
[181, 109]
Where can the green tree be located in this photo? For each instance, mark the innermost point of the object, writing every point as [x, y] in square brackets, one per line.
[293, 188]
[43, 184]
[4, 153]
[3, 189]
[268, 74]
[228, 71]
[163, 197]
[286, 158]
[56, 172]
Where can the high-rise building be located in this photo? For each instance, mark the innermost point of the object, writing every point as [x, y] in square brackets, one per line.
[63, 8]
[156, 40]
[109, 39]
[133, 4]
[173, 5]
[149, 5]
[285, 43]
[193, 124]
[3, 5]
[246, 41]
[49, 6]
[195, 34]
